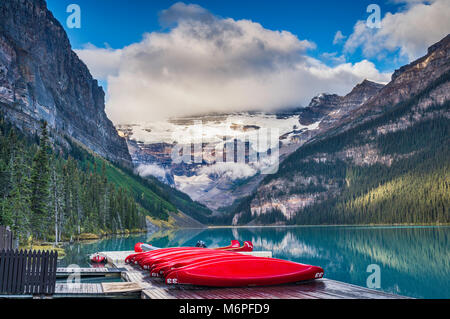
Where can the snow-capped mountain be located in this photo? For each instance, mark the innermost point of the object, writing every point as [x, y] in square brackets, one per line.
[218, 158]
[220, 148]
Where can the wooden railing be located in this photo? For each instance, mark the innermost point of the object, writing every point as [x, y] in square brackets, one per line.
[27, 272]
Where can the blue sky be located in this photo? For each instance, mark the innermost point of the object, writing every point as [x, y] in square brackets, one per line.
[118, 23]
[158, 58]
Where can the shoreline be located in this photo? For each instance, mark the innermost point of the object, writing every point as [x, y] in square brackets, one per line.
[329, 225]
[101, 237]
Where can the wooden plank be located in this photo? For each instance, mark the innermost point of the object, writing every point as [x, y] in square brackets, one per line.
[104, 270]
[29, 255]
[2, 269]
[21, 270]
[43, 272]
[116, 287]
[90, 272]
[15, 272]
[63, 290]
[10, 270]
[34, 265]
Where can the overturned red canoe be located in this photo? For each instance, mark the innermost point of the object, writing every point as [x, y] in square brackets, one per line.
[146, 250]
[166, 268]
[187, 255]
[149, 259]
[246, 247]
[234, 244]
[239, 272]
[135, 258]
[97, 258]
[181, 261]
[141, 247]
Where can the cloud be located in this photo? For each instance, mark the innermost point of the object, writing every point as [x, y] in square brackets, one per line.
[338, 37]
[230, 170]
[333, 57]
[103, 62]
[411, 31]
[145, 170]
[204, 63]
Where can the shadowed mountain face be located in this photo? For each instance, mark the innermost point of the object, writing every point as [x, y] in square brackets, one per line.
[41, 78]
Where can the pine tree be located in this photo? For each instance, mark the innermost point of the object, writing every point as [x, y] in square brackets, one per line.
[40, 180]
[57, 199]
[19, 200]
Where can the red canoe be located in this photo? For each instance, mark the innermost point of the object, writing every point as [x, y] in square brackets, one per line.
[180, 261]
[186, 255]
[149, 259]
[139, 256]
[234, 244]
[135, 258]
[246, 271]
[142, 250]
[169, 267]
[247, 247]
[97, 258]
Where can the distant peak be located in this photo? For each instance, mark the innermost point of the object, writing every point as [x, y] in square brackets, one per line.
[369, 83]
[443, 43]
[324, 98]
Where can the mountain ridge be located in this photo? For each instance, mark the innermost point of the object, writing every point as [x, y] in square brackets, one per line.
[43, 80]
[374, 148]
[37, 82]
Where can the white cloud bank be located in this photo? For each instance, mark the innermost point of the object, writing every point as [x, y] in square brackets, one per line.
[231, 170]
[412, 30]
[205, 63]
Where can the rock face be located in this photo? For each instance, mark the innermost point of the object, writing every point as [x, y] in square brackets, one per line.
[41, 78]
[415, 76]
[319, 107]
[326, 104]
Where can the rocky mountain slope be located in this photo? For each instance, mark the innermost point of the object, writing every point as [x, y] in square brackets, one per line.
[386, 161]
[329, 105]
[41, 78]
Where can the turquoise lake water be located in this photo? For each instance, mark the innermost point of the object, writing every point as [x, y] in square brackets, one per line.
[413, 261]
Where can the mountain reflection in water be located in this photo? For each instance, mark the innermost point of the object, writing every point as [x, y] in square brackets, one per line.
[414, 261]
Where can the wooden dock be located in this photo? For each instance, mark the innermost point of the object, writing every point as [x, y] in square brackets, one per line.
[101, 290]
[155, 288]
[90, 272]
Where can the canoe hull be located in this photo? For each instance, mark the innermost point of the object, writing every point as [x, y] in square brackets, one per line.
[244, 272]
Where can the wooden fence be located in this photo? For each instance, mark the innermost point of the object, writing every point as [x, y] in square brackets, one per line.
[6, 238]
[27, 272]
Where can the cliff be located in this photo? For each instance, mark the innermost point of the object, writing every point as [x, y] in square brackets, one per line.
[41, 78]
[335, 106]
